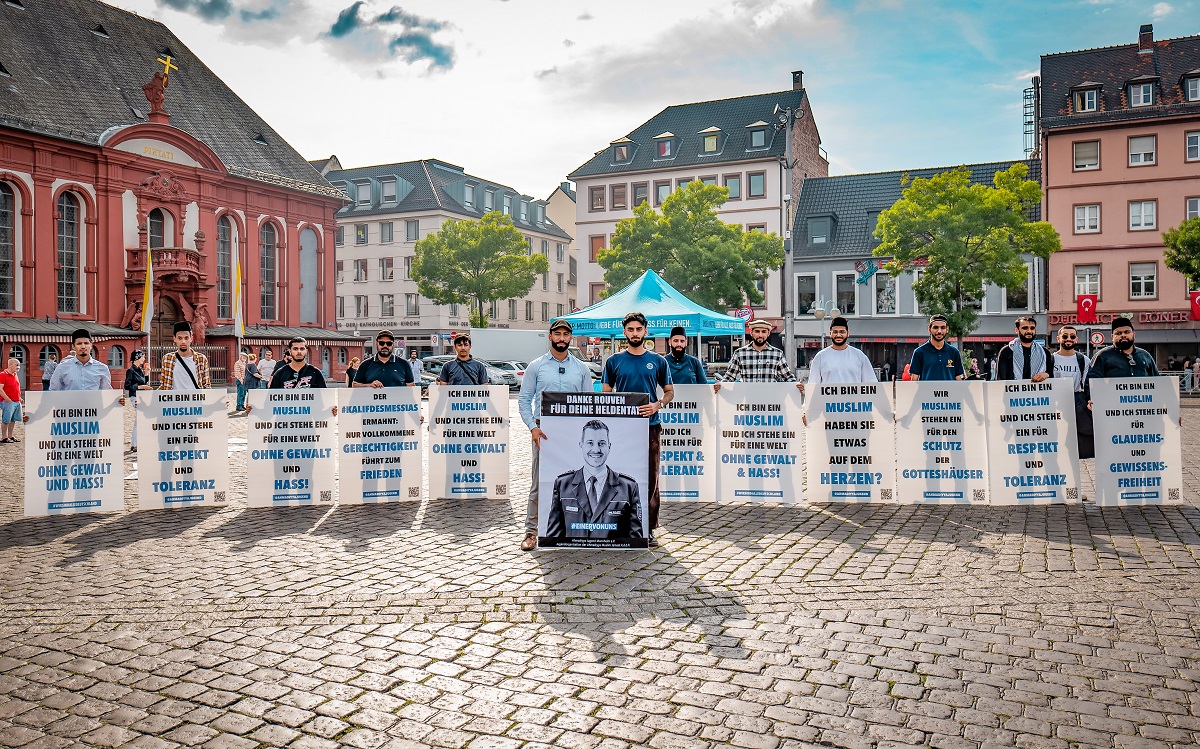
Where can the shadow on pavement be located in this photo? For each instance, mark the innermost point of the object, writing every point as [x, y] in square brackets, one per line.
[360, 525]
[130, 528]
[465, 519]
[36, 531]
[246, 528]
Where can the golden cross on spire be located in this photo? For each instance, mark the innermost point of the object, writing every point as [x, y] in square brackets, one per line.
[168, 66]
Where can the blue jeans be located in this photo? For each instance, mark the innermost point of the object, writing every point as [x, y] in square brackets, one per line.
[10, 411]
[241, 395]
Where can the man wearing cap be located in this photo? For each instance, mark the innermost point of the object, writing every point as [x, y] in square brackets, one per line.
[462, 370]
[839, 361]
[758, 361]
[685, 368]
[80, 371]
[555, 371]
[184, 368]
[935, 359]
[384, 370]
[1123, 359]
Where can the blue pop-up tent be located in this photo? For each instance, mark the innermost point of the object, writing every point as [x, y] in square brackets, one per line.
[663, 306]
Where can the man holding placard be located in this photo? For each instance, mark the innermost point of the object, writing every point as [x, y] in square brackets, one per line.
[1123, 359]
[184, 368]
[383, 370]
[1067, 362]
[758, 361]
[462, 369]
[80, 371]
[1022, 359]
[935, 359]
[839, 362]
[685, 368]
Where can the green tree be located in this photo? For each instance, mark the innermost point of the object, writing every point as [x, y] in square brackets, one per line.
[712, 263]
[476, 263]
[967, 236]
[1183, 250]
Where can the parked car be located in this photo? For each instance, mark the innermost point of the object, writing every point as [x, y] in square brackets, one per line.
[497, 376]
[517, 368]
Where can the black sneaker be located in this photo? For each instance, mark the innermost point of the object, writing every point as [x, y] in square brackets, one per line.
[653, 542]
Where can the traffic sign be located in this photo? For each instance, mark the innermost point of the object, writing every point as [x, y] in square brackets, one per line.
[433, 339]
[1097, 338]
[745, 313]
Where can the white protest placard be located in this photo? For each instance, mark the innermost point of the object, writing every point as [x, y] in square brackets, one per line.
[687, 465]
[941, 443]
[1033, 449]
[291, 455]
[468, 441]
[850, 448]
[74, 442]
[183, 458]
[1138, 448]
[380, 457]
[760, 442]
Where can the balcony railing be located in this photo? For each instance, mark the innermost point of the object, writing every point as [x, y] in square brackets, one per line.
[167, 260]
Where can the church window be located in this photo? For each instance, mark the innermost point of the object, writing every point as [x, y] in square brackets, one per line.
[68, 254]
[8, 233]
[157, 227]
[267, 270]
[224, 268]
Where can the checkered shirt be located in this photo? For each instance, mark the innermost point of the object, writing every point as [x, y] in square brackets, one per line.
[203, 378]
[749, 365]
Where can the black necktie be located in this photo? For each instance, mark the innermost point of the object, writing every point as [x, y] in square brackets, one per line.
[593, 500]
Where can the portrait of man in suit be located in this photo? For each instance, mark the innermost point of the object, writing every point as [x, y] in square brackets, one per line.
[594, 501]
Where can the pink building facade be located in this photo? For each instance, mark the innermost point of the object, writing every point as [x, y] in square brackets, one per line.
[1120, 148]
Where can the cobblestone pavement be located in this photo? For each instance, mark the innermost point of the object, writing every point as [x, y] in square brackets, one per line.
[422, 624]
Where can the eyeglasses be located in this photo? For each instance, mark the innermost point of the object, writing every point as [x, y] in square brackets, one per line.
[1131, 361]
[1069, 337]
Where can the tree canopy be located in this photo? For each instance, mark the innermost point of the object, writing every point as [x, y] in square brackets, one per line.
[966, 236]
[476, 263]
[712, 263]
[1183, 250]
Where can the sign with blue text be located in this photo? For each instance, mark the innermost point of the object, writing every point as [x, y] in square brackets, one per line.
[183, 458]
[850, 448]
[74, 441]
[687, 465]
[761, 442]
[1138, 450]
[291, 447]
[468, 441]
[941, 443]
[380, 458]
[1033, 449]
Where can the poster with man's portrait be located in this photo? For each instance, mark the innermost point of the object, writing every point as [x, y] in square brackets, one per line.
[594, 471]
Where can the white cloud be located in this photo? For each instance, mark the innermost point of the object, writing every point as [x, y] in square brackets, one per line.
[1161, 10]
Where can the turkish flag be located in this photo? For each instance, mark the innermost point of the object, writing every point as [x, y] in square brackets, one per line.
[1194, 296]
[1086, 308]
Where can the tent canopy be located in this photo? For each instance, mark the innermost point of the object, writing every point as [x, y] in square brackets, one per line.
[663, 306]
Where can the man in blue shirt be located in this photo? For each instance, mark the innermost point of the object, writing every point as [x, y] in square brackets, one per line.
[936, 359]
[636, 370]
[685, 369]
[556, 371]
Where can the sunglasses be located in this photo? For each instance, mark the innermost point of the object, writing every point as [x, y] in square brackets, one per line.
[382, 344]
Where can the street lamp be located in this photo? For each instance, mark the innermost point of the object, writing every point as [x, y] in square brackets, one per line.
[823, 309]
[787, 120]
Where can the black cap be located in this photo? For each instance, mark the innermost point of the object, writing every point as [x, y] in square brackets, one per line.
[678, 330]
[1121, 322]
[80, 333]
[839, 322]
[137, 354]
[183, 326]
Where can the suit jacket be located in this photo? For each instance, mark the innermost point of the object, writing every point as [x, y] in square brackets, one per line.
[619, 503]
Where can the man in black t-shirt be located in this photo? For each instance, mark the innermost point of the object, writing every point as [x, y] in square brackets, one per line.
[384, 370]
[296, 372]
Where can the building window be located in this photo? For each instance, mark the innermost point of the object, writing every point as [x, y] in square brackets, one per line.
[545, 248]
[412, 306]
[760, 228]
[68, 254]
[156, 228]
[454, 309]
[1016, 299]
[1192, 89]
[489, 200]
[1192, 142]
[1087, 279]
[408, 262]
[339, 271]
[818, 231]
[1141, 94]
[525, 210]
[529, 311]
[387, 188]
[757, 186]
[559, 278]
[360, 269]
[661, 191]
[385, 231]
[545, 311]
[1142, 215]
[619, 201]
[665, 149]
[1193, 208]
[507, 205]
[758, 138]
[1087, 218]
[560, 251]
[806, 293]
[845, 293]
[116, 357]
[1141, 150]
[340, 306]
[360, 306]
[412, 231]
[545, 282]
[734, 183]
[560, 311]
[363, 194]
[387, 305]
[494, 312]
[342, 356]
[1142, 280]
[595, 245]
[710, 144]
[1087, 155]
[1086, 101]
[512, 309]
[387, 269]
[708, 180]
[44, 355]
[594, 292]
[885, 293]
[621, 153]
[683, 182]
[360, 234]
[339, 236]
[528, 245]
[224, 266]
[641, 193]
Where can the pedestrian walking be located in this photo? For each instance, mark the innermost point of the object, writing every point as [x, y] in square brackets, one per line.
[758, 361]
[685, 368]
[351, 371]
[1022, 358]
[137, 377]
[266, 366]
[239, 376]
[48, 369]
[935, 359]
[184, 368]
[10, 407]
[462, 369]
[384, 370]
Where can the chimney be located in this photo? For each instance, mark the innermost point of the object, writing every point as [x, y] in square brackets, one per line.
[1146, 39]
[797, 80]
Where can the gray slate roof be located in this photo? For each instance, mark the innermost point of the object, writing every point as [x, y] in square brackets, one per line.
[26, 326]
[852, 198]
[685, 121]
[433, 185]
[256, 332]
[68, 82]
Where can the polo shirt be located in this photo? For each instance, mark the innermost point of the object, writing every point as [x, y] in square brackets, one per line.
[393, 373]
[930, 363]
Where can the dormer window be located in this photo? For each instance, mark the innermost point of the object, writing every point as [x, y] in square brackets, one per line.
[489, 200]
[758, 135]
[362, 194]
[710, 140]
[1087, 101]
[819, 230]
[1141, 94]
[525, 210]
[664, 149]
[1191, 88]
[388, 190]
[469, 196]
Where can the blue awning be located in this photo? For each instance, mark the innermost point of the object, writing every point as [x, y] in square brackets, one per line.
[663, 306]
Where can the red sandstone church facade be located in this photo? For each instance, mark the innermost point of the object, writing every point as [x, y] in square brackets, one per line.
[184, 172]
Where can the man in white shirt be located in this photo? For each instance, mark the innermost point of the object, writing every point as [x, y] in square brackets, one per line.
[839, 361]
[185, 368]
[1069, 362]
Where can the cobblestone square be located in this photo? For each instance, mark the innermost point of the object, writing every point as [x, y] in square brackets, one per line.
[423, 624]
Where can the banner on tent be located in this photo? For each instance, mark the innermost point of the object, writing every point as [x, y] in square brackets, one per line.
[468, 441]
[761, 441]
[73, 448]
[851, 443]
[380, 454]
[687, 469]
[1033, 448]
[291, 438]
[941, 444]
[183, 459]
[1138, 449]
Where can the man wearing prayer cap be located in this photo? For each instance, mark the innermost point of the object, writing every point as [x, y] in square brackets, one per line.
[184, 368]
[80, 370]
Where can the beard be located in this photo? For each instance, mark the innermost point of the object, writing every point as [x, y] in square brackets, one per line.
[1026, 337]
[1067, 345]
[1124, 345]
[560, 346]
[938, 336]
[839, 341]
[635, 342]
[678, 352]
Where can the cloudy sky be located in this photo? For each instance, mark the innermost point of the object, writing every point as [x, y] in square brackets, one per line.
[524, 91]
